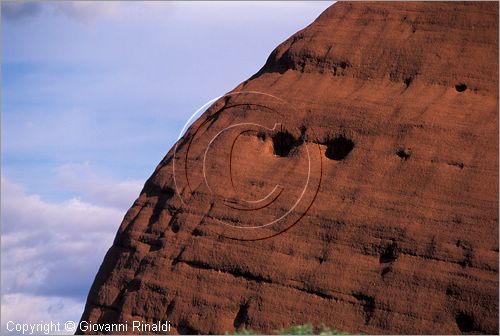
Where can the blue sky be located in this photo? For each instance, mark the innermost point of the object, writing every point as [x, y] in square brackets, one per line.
[94, 94]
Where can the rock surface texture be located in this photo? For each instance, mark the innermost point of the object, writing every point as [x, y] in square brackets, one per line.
[351, 182]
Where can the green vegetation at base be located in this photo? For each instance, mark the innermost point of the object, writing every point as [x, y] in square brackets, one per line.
[303, 329]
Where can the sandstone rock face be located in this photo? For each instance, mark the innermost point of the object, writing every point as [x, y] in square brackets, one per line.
[352, 182]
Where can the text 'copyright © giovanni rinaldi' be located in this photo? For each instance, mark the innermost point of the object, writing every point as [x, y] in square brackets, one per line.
[51, 327]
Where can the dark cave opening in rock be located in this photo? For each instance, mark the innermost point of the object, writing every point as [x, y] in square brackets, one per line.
[344, 65]
[408, 81]
[404, 154]
[242, 316]
[338, 148]
[465, 322]
[283, 143]
[461, 87]
[389, 254]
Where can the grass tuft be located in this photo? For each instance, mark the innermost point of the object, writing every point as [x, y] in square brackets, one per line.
[302, 329]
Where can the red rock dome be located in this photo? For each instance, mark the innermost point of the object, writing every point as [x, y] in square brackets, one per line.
[351, 182]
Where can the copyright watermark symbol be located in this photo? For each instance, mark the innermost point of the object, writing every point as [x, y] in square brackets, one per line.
[256, 173]
[70, 326]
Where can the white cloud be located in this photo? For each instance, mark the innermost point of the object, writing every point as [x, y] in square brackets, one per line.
[103, 190]
[15, 307]
[50, 252]
[83, 11]
[20, 10]
[86, 10]
[22, 212]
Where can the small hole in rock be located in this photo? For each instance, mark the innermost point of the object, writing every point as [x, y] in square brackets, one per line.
[170, 308]
[283, 143]
[465, 322]
[156, 246]
[389, 254]
[404, 154]
[134, 285]
[467, 261]
[344, 65]
[461, 87]
[197, 232]
[337, 149]
[452, 290]
[242, 316]
[175, 227]
[459, 165]
[408, 81]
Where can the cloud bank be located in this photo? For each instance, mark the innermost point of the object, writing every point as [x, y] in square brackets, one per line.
[102, 190]
[51, 251]
[20, 10]
[80, 10]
